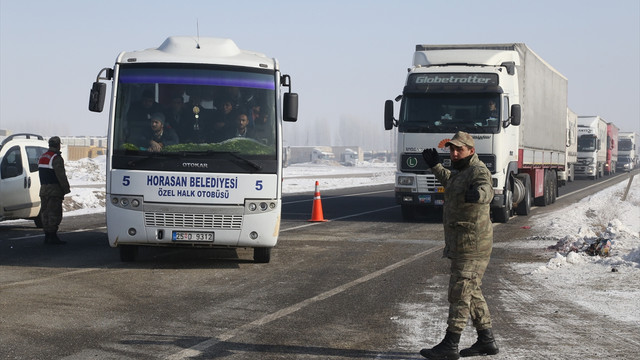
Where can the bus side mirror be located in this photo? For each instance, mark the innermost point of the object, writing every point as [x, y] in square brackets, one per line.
[290, 107]
[96, 96]
[388, 115]
[515, 114]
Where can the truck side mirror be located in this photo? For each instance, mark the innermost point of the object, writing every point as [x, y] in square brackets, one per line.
[96, 96]
[515, 114]
[290, 107]
[388, 115]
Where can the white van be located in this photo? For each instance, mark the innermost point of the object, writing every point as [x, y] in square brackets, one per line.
[19, 179]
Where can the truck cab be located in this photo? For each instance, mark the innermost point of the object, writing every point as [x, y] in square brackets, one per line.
[19, 179]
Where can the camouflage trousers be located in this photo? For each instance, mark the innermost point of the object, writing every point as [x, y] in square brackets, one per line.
[465, 296]
[51, 213]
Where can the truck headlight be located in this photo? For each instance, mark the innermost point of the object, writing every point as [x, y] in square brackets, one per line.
[405, 180]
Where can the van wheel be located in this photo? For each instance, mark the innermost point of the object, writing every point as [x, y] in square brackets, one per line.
[262, 255]
[128, 253]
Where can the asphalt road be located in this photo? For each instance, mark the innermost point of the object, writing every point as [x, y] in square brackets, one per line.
[363, 285]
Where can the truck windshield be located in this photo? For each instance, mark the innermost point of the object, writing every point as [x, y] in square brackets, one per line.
[625, 145]
[587, 143]
[169, 111]
[474, 113]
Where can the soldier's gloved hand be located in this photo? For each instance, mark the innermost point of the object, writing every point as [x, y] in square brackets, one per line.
[472, 196]
[431, 157]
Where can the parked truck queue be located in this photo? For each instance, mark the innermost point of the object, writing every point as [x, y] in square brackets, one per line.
[515, 106]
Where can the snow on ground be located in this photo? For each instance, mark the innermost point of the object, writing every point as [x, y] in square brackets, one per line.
[602, 284]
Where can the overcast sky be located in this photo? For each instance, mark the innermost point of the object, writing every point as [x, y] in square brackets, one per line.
[345, 57]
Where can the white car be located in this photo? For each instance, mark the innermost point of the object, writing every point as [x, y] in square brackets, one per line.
[19, 179]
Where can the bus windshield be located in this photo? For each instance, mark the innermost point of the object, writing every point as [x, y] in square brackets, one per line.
[223, 116]
[474, 113]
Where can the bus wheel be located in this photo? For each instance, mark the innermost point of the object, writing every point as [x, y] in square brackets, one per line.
[262, 255]
[128, 253]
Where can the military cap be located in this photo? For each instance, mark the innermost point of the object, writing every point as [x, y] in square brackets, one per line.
[461, 139]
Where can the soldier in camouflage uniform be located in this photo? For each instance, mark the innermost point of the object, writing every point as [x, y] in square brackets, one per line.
[468, 234]
[53, 187]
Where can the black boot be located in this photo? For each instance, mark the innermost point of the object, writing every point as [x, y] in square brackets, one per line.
[447, 349]
[55, 240]
[486, 345]
[47, 237]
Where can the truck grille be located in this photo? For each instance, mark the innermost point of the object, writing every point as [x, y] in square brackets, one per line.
[427, 183]
[195, 221]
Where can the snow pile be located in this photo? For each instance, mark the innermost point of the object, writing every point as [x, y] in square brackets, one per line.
[600, 217]
[87, 171]
[601, 285]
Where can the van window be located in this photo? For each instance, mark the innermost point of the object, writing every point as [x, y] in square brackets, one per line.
[11, 165]
[34, 153]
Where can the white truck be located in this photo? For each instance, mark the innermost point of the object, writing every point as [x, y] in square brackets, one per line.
[522, 140]
[571, 156]
[627, 151]
[19, 179]
[592, 149]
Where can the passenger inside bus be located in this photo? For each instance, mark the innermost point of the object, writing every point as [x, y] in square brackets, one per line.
[157, 136]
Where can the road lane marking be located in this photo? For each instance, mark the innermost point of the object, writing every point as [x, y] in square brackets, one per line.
[43, 279]
[338, 218]
[200, 348]
[336, 196]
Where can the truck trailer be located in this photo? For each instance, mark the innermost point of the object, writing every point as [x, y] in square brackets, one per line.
[512, 103]
[571, 156]
[612, 148]
[627, 151]
[592, 153]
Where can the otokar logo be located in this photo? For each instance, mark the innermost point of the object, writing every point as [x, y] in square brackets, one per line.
[195, 165]
[412, 162]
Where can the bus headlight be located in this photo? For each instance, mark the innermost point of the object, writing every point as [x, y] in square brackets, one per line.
[127, 202]
[252, 206]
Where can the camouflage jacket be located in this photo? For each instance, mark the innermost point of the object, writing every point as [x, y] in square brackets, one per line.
[468, 232]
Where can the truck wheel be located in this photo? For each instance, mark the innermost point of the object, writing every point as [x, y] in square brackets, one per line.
[548, 188]
[128, 253]
[524, 207]
[262, 255]
[554, 186]
[542, 200]
[503, 214]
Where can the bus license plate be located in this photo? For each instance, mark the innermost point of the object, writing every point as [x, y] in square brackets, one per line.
[191, 236]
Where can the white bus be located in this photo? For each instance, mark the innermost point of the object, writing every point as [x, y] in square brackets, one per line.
[190, 177]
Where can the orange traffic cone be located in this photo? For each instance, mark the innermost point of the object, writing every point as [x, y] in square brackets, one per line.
[316, 212]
